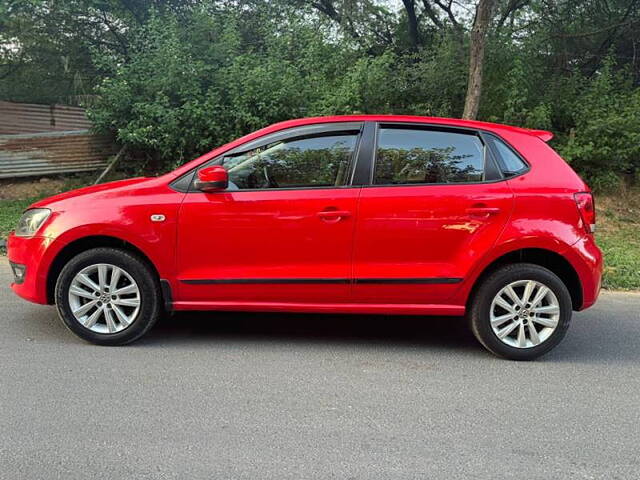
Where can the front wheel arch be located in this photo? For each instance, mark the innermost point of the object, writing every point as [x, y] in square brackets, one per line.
[87, 243]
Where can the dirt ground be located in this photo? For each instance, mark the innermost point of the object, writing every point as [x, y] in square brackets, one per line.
[19, 188]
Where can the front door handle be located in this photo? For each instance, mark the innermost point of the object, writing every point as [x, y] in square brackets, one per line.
[333, 216]
[482, 212]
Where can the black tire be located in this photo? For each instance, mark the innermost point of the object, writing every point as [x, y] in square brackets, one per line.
[147, 282]
[479, 311]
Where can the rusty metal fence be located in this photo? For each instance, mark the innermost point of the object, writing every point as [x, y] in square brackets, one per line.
[45, 140]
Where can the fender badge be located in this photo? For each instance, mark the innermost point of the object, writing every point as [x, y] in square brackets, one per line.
[157, 217]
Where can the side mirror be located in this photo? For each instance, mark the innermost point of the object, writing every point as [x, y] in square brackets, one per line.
[212, 179]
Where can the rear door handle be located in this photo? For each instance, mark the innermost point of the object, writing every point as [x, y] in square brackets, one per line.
[333, 215]
[482, 212]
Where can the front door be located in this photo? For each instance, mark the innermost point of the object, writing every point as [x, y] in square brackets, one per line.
[436, 204]
[283, 230]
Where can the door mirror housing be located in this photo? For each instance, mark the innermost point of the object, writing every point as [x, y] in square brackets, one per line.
[212, 179]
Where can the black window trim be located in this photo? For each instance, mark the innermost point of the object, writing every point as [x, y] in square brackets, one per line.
[489, 155]
[366, 153]
[298, 132]
[490, 161]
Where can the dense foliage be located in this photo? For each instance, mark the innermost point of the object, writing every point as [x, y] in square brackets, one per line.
[174, 78]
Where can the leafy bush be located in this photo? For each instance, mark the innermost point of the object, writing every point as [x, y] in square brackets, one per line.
[188, 88]
[605, 142]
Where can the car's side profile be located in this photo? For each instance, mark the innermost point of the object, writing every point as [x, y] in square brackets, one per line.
[356, 214]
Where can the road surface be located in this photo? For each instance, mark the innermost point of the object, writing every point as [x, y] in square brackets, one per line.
[257, 396]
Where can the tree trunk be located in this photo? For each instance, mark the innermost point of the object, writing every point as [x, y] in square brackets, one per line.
[412, 20]
[481, 25]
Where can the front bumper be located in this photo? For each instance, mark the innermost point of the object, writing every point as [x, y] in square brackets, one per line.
[34, 255]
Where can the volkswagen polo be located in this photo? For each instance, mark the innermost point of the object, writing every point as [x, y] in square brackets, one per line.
[346, 214]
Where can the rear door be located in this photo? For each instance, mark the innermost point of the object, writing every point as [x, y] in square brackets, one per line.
[283, 230]
[436, 203]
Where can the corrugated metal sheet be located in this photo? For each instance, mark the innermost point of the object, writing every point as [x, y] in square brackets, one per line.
[45, 140]
[53, 152]
[31, 118]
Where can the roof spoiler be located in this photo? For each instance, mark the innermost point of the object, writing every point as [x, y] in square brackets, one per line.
[543, 135]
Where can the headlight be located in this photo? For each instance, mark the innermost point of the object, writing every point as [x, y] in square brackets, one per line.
[31, 221]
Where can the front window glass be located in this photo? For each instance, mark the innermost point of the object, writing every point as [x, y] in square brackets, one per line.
[317, 161]
[412, 156]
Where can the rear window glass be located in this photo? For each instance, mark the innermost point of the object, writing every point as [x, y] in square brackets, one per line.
[413, 156]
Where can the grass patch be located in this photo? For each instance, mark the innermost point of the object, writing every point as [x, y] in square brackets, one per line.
[618, 236]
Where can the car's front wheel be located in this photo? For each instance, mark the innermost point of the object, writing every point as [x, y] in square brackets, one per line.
[520, 311]
[108, 296]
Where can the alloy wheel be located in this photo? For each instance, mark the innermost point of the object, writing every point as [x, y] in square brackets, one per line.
[104, 298]
[524, 314]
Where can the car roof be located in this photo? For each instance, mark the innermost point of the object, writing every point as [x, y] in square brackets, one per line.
[454, 122]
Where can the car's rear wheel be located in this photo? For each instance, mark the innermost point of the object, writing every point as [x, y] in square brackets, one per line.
[520, 311]
[108, 296]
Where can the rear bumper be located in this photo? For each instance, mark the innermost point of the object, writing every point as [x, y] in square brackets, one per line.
[586, 258]
[31, 254]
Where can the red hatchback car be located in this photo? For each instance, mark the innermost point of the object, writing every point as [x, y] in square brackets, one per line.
[353, 214]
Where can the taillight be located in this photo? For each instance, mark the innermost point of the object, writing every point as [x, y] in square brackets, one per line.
[587, 209]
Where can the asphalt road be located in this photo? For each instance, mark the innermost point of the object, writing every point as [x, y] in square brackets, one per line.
[255, 396]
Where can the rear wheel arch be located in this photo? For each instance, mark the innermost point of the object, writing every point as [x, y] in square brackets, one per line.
[87, 243]
[548, 259]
